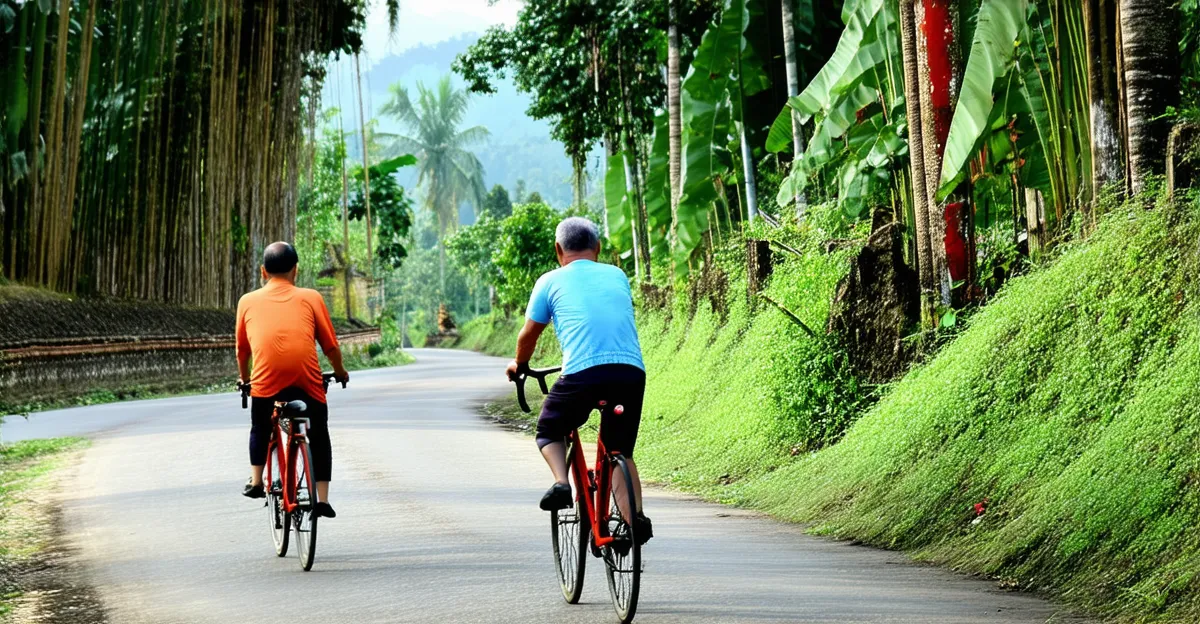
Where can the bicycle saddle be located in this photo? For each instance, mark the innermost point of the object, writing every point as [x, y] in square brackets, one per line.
[295, 407]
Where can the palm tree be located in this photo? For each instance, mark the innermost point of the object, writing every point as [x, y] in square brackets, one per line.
[674, 121]
[1150, 55]
[793, 84]
[449, 173]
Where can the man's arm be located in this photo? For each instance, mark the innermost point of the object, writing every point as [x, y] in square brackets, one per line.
[526, 343]
[243, 346]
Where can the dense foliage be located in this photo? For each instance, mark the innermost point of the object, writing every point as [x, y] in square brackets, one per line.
[152, 150]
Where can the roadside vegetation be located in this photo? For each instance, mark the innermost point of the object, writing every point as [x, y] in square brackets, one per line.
[26, 526]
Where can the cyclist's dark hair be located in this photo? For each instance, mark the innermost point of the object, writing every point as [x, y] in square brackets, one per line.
[577, 234]
[279, 258]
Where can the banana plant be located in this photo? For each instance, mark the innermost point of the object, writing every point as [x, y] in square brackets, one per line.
[857, 104]
[1023, 100]
[725, 70]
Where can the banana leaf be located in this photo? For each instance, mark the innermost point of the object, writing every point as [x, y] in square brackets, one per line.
[616, 202]
[658, 191]
[705, 111]
[820, 92]
[1000, 26]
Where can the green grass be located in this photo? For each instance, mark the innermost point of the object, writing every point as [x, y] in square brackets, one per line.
[1070, 404]
[24, 531]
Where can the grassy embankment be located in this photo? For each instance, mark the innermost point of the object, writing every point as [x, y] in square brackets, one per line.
[1069, 404]
[26, 527]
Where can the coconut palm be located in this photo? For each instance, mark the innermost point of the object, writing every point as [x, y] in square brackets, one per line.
[1149, 49]
[449, 174]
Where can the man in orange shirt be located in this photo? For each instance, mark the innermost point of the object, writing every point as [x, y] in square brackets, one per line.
[277, 326]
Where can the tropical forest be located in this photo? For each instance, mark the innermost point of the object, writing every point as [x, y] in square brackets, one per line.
[914, 283]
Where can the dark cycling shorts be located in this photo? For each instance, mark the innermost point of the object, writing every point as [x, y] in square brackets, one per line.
[319, 444]
[573, 397]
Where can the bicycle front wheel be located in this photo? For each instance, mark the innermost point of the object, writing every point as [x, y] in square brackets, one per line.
[623, 557]
[569, 529]
[281, 521]
[304, 520]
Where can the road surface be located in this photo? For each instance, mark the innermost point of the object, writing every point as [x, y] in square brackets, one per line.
[437, 522]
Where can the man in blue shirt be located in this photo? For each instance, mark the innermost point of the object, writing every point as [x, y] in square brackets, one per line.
[592, 310]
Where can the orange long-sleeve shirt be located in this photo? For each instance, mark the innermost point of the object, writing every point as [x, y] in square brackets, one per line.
[278, 325]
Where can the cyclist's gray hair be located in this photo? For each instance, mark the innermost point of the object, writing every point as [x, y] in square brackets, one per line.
[577, 234]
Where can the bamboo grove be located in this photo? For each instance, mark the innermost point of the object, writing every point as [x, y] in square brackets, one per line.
[965, 120]
[151, 149]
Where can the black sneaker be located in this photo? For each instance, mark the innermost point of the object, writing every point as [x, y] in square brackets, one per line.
[324, 510]
[643, 530]
[253, 491]
[557, 497]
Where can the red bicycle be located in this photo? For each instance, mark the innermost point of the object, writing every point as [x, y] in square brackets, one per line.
[596, 522]
[291, 490]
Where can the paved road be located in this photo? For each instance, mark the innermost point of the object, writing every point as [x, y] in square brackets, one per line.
[437, 523]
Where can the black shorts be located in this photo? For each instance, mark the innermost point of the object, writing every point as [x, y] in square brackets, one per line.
[573, 397]
[319, 443]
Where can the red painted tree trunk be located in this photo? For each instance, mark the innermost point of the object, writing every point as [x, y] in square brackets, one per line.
[938, 30]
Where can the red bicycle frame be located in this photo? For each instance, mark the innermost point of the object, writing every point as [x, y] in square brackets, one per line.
[299, 426]
[593, 487]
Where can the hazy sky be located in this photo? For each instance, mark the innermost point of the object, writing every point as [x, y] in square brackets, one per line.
[431, 21]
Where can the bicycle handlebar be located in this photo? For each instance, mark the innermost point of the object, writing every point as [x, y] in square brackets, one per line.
[540, 374]
[245, 387]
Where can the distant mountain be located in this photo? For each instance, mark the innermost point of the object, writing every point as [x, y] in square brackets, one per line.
[520, 148]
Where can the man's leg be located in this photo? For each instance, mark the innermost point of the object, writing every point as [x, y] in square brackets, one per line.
[620, 434]
[555, 454]
[260, 437]
[321, 447]
[618, 487]
[565, 409]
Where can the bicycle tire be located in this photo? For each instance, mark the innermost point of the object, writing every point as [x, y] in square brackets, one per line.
[280, 520]
[569, 531]
[304, 520]
[623, 559]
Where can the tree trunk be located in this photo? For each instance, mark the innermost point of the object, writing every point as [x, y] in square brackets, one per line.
[1150, 55]
[925, 266]
[1035, 221]
[674, 120]
[1100, 18]
[346, 263]
[940, 66]
[633, 181]
[362, 119]
[747, 154]
[793, 84]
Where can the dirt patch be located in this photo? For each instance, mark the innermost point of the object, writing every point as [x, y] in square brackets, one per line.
[49, 585]
[53, 587]
[875, 306]
[505, 412]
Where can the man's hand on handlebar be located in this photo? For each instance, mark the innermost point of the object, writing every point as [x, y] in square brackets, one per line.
[518, 372]
[514, 369]
[341, 377]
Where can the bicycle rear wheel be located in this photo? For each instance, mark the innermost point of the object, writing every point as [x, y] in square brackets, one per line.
[303, 518]
[623, 557]
[281, 521]
[569, 529]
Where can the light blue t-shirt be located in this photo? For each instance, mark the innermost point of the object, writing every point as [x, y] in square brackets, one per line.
[592, 309]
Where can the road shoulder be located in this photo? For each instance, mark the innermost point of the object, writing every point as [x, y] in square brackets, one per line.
[40, 578]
